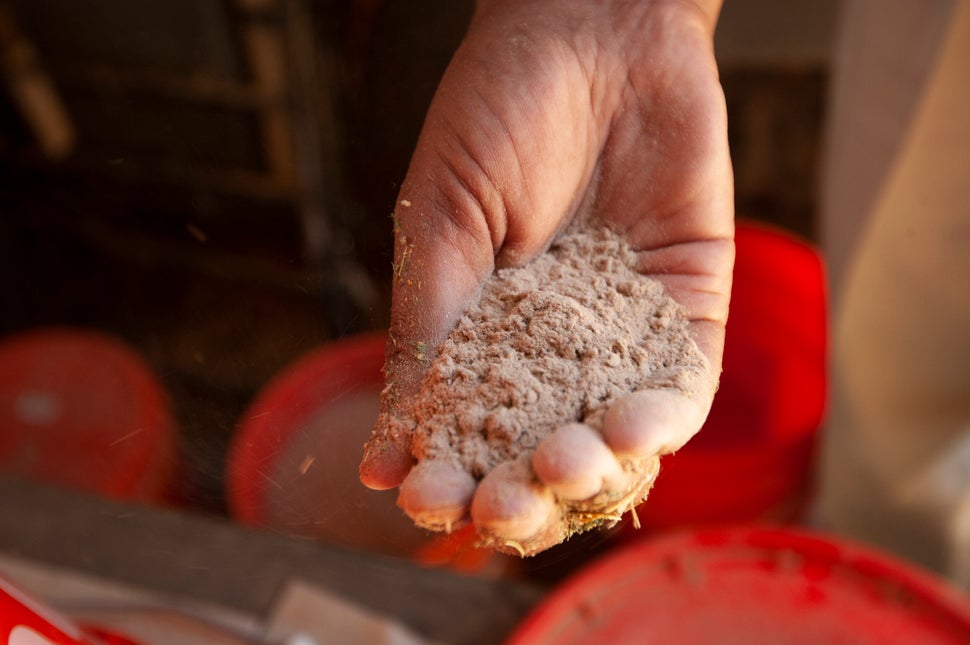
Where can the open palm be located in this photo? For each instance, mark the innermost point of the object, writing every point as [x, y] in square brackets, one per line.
[553, 113]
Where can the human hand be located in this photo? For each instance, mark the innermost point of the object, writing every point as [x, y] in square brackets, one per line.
[550, 111]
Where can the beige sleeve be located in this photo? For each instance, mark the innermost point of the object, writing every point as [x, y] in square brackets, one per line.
[897, 230]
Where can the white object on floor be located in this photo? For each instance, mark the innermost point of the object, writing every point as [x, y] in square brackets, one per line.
[303, 611]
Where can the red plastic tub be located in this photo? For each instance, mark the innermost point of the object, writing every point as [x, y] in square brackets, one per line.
[754, 457]
[749, 585]
[293, 460]
[81, 409]
[25, 620]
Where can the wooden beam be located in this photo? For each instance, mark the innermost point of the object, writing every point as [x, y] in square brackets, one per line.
[211, 560]
[32, 90]
[196, 88]
[266, 56]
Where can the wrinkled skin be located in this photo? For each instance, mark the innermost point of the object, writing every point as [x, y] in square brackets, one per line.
[553, 111]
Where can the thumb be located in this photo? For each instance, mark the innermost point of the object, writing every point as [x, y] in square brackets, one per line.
[443, 252]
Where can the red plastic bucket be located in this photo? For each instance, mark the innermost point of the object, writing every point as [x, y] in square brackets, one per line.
[754, 457]
[293, 460]
[746, 585]
[81, 409]
[292, 463]
[24, 620]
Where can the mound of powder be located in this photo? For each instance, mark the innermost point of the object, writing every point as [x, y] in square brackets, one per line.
[550, 343]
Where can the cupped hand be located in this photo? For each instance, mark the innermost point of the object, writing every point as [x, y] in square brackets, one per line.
[553, 112]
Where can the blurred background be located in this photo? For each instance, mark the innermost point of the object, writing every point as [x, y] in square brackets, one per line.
[195, 270]
[209, 181]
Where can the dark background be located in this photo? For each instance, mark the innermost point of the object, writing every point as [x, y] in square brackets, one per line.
[211, 180]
